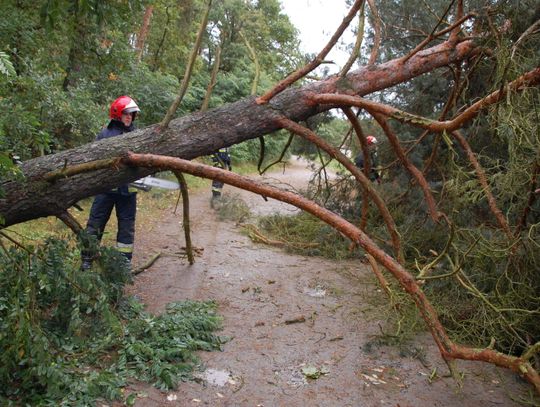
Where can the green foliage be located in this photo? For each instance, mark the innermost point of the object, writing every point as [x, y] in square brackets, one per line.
[65, 62]
[232, 208]
[70, 337]
[55, 121]
[6, 67]
[153, 91]
[304, 234]
[485, 285]
[269, 31]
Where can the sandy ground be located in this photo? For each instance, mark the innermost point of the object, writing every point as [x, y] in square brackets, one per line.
[288, 315]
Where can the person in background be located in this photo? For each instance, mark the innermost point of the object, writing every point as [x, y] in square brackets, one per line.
[122, 113]
[374, 162]
[220, 159]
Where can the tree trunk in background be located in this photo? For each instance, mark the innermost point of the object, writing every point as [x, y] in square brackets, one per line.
[213, 80]
[143, 32]
[199, 134]
[76, 48]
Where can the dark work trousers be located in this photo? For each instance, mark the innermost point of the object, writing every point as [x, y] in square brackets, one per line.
[220, 159]
[126, 207]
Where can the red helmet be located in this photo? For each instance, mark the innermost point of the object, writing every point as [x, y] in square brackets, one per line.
[371, 140]
[124, 104]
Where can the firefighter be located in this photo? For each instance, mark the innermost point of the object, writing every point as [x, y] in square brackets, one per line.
[374, 162]
[220, 159]
[122, 113]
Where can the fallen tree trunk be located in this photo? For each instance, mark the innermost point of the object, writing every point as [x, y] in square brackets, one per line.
[198, 134]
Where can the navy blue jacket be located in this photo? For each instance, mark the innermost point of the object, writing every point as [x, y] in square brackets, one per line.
[116, 128]
[359, 162]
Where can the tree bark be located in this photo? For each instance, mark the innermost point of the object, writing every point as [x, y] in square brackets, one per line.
[143, 32]
[198, 134]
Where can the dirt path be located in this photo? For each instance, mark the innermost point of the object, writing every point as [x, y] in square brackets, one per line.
[287, 313]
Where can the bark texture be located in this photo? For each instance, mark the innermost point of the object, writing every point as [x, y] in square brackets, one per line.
[198, 134]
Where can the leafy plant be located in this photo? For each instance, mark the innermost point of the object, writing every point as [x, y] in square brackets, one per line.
[70, 337]
[6, 67]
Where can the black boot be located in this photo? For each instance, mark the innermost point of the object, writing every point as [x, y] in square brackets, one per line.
[86, 264]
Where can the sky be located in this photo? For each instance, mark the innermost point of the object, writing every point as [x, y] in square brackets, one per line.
[317, 21]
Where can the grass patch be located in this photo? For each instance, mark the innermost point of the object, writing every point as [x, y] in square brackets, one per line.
[149, 205]
[307, 235]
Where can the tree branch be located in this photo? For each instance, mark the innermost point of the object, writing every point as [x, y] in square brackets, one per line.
[367, 161]
[187, 75]
[212, 82]
[359, 175]
[415, 172]
[377, 27]
[480, 173]
[71, 222]
[198, 134]
[530, 201]
[531, 78]
[282, 85]
[186, 223]
[449, 350]
[281, 155]
[358, 43]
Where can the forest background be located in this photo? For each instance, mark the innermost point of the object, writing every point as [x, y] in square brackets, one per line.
[63, 62]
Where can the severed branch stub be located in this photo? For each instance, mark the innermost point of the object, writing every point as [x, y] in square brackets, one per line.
[69, 171]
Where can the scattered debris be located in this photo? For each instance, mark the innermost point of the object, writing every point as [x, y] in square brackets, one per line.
[316, 292]
[292, 376]
[215, 377]
[311, 372]
[295, 320]
[382, 375]
[373, 379]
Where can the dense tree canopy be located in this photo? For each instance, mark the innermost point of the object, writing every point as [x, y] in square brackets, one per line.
[71, 58]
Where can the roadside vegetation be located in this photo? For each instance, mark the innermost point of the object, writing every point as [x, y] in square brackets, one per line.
[71, 338]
